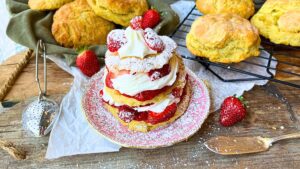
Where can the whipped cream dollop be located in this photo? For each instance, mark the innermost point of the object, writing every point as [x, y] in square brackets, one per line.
[132, 84]
[136, 45]
[113, 62]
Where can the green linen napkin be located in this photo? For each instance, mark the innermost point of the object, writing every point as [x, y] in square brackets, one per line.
[27, 26]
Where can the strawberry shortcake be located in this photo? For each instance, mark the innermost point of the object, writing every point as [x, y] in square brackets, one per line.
[145, 82]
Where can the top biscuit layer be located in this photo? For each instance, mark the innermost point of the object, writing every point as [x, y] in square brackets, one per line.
[119, 11]
[244, 8]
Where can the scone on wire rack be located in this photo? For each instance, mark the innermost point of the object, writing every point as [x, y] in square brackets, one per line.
[44, 5]
[119, 11]
[224, 38]
[244, 8]
[76, 25]
[279, 21]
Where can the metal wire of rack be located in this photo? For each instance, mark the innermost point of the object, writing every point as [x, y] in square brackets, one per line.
[184, 27]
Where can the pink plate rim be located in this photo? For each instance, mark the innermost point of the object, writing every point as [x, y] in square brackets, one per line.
[110, 128]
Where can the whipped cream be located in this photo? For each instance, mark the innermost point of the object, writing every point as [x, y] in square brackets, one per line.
[157, 107]
[112, 61]
[135, 46]
[160, 106]
[132, 84]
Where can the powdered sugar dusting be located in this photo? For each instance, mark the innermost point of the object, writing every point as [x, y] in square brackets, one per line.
[142, 65]
[153, 40]
[180, 130]
[115, 39]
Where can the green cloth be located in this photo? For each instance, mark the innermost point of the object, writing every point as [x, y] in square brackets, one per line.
[27, 26]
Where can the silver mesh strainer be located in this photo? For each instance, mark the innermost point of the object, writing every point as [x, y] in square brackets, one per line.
[39, 116]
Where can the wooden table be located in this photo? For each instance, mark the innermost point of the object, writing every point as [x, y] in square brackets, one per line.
[267, 116]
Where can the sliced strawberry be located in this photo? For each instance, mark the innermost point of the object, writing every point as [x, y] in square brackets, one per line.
[153, 41]
[111, 75]
[108, 78]
[115, 40]
[151, 18]
[169, 112]
[141, 116]
[149, 94]
[101, 93]
[159, 73]
[126, 114]
[136, 22]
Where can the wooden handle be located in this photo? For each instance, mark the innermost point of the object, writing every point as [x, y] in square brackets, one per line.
[4, 89]
[288, 136]
[12, 150]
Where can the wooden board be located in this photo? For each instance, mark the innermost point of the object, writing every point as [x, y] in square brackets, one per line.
[25, 86]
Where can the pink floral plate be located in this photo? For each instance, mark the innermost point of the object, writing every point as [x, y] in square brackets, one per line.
[109, 127]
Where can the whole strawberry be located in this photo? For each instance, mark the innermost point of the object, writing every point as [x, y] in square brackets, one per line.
[88, 63]
[232, 111]
[151, 18]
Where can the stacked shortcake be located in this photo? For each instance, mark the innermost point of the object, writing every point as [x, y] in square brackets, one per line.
[145, 82]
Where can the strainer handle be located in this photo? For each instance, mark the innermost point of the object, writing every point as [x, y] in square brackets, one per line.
[41, 49]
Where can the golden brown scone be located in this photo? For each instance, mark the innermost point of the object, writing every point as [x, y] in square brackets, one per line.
[75, 25]
[278, 20]
[244, 8]
[119, 11]
[43, 5]
[226, 38]
[142, 126]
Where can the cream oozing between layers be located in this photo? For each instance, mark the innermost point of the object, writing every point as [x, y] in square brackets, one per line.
[156, 107]
[132, 84]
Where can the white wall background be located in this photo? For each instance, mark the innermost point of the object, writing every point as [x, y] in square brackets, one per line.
[7, 46]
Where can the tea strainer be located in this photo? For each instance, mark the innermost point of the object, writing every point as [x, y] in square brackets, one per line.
[40, 115]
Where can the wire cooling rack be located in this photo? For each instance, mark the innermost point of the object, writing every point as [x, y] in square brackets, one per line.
[288, 60]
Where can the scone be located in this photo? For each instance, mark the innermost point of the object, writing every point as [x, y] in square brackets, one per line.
[244, 8]
[278, 20]
[43, 5]
[75, 25]
[225, 38]
[145, 82]
[119, 11]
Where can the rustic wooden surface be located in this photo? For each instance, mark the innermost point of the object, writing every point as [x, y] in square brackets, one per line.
[267, 116]
[25, 86]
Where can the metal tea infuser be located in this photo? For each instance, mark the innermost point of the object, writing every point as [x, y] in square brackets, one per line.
[39, 116]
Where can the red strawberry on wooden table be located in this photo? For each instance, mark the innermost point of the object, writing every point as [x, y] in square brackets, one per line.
[232, 111]
[151, 18]
[88, 63]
